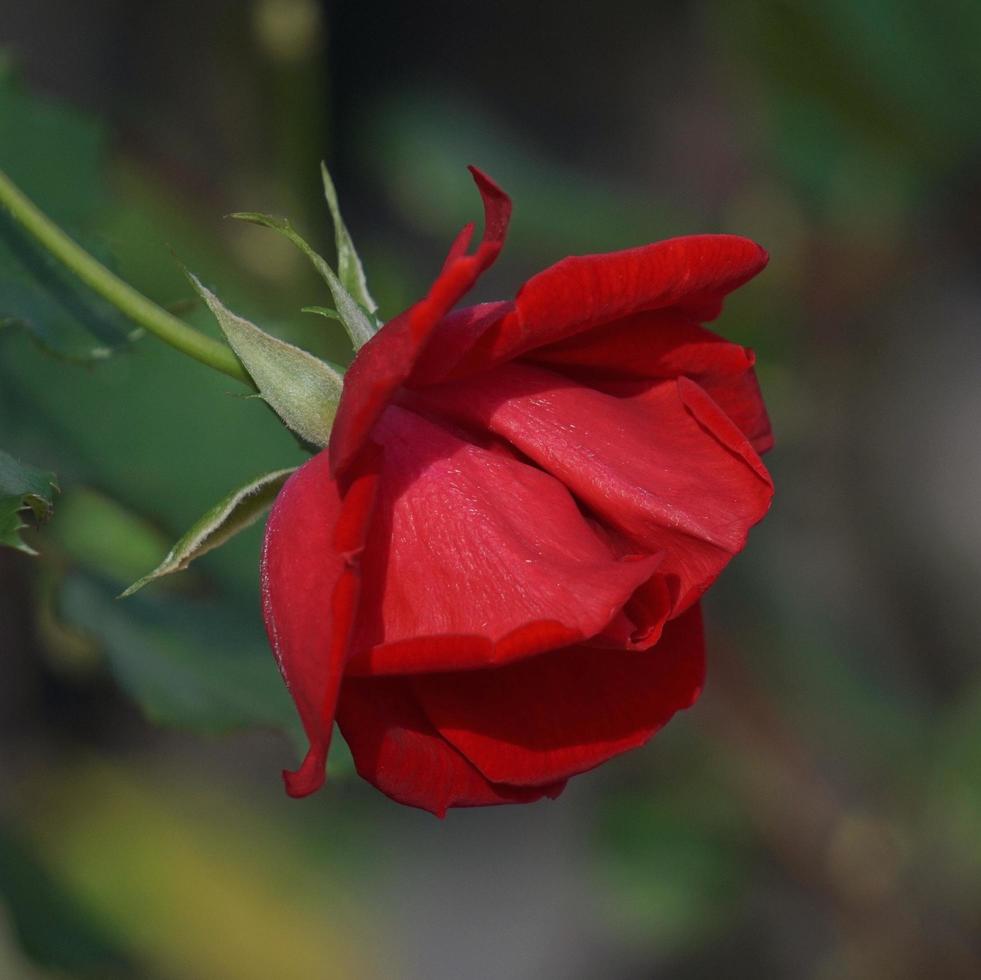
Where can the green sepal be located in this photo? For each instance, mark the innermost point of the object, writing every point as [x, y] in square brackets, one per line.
[22, 488]
[301, 389]
[234, 513]
[324, 311]
[349, 268]
[359, 324]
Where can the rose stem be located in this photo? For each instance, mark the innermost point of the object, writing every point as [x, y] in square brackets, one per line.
[132, 304]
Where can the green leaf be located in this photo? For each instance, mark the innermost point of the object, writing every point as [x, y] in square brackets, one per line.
[22, 488]
[36, 293]
[359, 325]
[349, 268]
[193, 665]
[239, 510]
[302, 390]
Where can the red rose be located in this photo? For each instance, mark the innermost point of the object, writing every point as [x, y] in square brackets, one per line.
[491, 576]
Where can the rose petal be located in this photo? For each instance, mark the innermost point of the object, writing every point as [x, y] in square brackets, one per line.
[666, 344]
[658, 344]
[690, 275]
[741, 399]
[397, 750]
[388, 358]
[310, 577]
[452, 339]
[561, 713]
[667, 468]
[475, 558]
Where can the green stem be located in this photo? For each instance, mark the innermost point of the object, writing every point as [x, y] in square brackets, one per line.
[132, 304]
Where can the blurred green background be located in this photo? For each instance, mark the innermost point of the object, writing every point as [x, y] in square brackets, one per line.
[818, 814]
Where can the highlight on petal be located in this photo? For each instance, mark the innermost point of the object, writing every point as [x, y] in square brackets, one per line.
[690, 275]
[666, 468]
[384, 363]
[396, 749]
[310, 580]
[475, 558]
[561, 713]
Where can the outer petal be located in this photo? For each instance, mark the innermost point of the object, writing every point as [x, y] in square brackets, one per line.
[452, 339]
[476, 558]
[666, 468]
[741, 399]
[552, 716]
[310, 580]
[666, 344]
[384, 363]
[690, 275]
[397, 750]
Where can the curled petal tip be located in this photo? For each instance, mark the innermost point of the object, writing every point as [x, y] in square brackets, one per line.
[308, 778]
[384, 363]
[497, 207]
[482, 178]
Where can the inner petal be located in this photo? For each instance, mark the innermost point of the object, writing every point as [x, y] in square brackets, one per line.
[665, 344]
[666, 467]
[475, 558]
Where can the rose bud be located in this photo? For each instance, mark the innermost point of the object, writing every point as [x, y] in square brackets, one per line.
[490, 578]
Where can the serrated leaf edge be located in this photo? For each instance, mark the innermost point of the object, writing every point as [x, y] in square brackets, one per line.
[41, 507]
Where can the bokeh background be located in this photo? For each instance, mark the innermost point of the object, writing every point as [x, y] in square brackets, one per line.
[817, 815]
